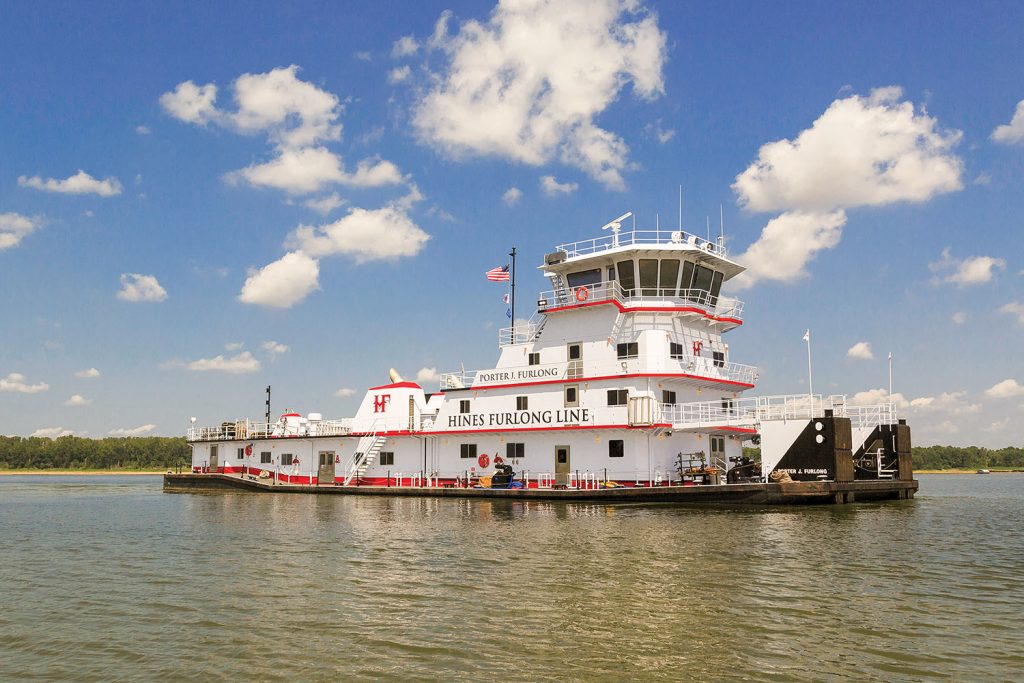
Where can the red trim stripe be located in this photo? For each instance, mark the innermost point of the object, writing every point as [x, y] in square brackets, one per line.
[677, 375]
[646, 309]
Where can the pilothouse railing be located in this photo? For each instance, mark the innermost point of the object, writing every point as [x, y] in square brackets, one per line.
[640, 237]
[612, 290]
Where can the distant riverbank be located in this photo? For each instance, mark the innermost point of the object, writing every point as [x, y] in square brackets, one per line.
[91, 473]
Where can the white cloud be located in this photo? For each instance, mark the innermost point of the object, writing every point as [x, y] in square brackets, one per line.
[292, 112]
[972, 270]
[365, 235]
[528, 84]
[137, 287]
[16, 382]
[191, 103]
[427, 375]
[275, 348]
[51, 432]
[948, 401]
[999, 425]
[91, 373]
[77, 401]
[373, 172]
[296, 171]
[1008, 388]
[363, 56]
[142, 130]
[959, 318]
[80, 183]
[1014, 308]
[399, 74]
[405, 47]
[551, 187]
[325, 205]
[134, 431]
[512, 196]
[863, 151]
[239, 364]
[344, 392]
[787, 243]
[234, 346]
[662, 135]
[873, 397]
[1012, 132]
[283, 283]
[14, 227]
[860, 350]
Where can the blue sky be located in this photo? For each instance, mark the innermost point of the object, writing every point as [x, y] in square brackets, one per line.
[196, 202]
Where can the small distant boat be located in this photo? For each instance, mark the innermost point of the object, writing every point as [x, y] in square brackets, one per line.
[984, 471]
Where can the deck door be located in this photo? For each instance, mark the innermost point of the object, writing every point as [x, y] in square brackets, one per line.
[325, 471]
[562, 465]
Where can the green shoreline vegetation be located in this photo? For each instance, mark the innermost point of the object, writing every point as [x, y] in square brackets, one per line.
[160, 453]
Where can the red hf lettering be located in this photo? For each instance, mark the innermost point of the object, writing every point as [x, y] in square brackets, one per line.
[380, 402]
[697, 346]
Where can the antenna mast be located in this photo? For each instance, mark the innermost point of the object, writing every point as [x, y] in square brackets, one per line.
[680, 207]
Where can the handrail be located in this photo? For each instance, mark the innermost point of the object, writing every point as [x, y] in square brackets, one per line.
[678, 238]
[756, 409]
[612, 290]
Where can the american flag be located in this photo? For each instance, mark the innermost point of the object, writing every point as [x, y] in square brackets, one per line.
[499, 274]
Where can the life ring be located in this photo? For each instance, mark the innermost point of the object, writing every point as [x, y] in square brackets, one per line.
[498, 460]
[582, 294]
[248, 449]
[295, 461]
[484, 460]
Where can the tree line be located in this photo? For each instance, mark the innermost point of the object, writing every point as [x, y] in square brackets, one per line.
[77, 453]
[950, 457]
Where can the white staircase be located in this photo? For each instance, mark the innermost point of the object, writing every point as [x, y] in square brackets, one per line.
[366, 454]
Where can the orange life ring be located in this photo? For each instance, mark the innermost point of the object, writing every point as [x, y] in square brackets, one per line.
[484, 460]
[582, 294]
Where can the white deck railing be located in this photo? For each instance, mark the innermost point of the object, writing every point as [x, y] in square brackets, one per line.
[699, 366]
[678, 238]
[243, 430]
[748, 412]
[612, 290]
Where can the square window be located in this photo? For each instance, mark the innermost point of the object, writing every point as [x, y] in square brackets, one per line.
[572, 395]
[618, 397]
[668, 397]
[514, 450]
[464, 405]
[534, 359]
[467, 450]
[575, 351]
[675, 350]
[616, 448]
[386, 457]
[241, 453]
[719, 357]
[521, 402]
[630, 350]
[287, 458]
[265, 458]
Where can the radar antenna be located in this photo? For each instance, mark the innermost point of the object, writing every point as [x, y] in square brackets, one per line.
[615, 226]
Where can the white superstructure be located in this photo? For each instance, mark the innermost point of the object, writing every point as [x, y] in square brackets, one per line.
[623, 374]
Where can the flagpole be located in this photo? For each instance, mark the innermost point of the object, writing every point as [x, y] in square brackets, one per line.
[890, 376]
[810, 378]
[513, 255]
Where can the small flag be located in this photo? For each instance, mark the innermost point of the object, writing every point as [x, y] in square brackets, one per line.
[807, 336]
[499, 274]
[504, 298]
[508, 313]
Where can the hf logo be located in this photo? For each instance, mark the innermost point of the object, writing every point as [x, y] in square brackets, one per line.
[380, 402]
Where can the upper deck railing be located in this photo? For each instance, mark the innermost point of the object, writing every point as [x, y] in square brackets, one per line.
[724, 307]
[747, 412]
[635, 238]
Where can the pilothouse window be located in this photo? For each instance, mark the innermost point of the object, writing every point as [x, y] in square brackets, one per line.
[649, 276]
[626, 276]
[702, 279]
[585, 278]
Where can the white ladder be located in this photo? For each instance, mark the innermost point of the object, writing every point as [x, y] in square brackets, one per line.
[366, 454]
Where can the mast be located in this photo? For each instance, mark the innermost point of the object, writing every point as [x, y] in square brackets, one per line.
[513, 274]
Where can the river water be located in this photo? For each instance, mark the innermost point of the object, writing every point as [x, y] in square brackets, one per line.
[109, 578]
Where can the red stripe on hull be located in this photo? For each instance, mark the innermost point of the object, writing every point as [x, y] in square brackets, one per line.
[647, 309]
[665, 375]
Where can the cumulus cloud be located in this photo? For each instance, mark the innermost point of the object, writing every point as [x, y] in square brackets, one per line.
[528, 84]
[873, 397]
[862, 151]
[296, 171]
[15, 382]
[133, 431]
[1013, 132]
[399, 74]
[427, 375]
[234, 346]
[656, 131]
[344, 392]
[275, 349]
[77, 401]
[954, 402]
[365, 235]
[283, 283]
[137, 287]
[1008, 388]
[405, 47]
[972, 270]
[325, 205]
[14, 227]
[1014, 308]
[861, 351]
[51, 432]
[959, 318]
[552, 188]
[80, 183]
[142, 130]
[91, 373]
[512, 196]
[373, 172]
[787, 244]
[240, 364]
[191, 103]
